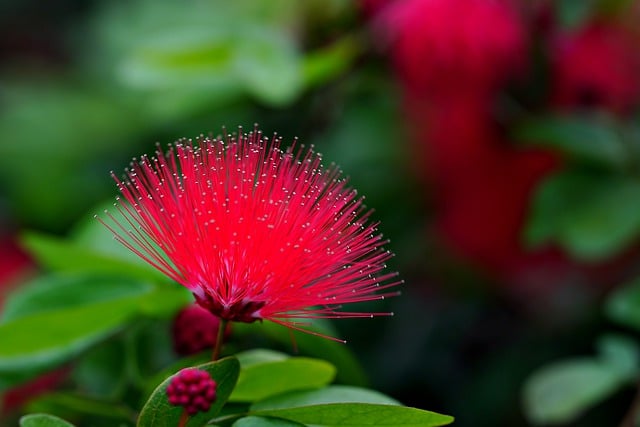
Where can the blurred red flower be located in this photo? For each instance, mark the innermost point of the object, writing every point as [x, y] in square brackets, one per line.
[195, 329]
[440, 46]
[13, 263]
[596, 66]
[255, 232]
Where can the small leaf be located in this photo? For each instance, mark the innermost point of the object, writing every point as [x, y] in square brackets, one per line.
[265, 422]
[623, 305]
[562, 391]
[262, 380]
[330, 394]
[269, 66]
[589, 139]
[591, 215]
[327, 63]
[573, 13]
[157, 412]
[359, 414]
[259, 355]
[339, 355]
[620, 353]
[43, 420]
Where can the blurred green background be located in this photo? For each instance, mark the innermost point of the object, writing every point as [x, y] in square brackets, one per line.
[86, 85]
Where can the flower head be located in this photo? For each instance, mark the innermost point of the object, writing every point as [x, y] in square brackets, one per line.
[193, 389]
[253, 230]
[440, 46]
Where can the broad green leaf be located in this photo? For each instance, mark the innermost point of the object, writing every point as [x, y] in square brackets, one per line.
[68, 404]
[265, 422]
[349, 370]
[157, 412]
[620, 353]
[225, 49]
[262, 380]
[593, 216]
[359, 414]
[259, 355]
[43, 420]
[48, 338]
[329, 394]
[581, 138]
[623, 305]
[55, 293]
[60, 254]
[562, 391]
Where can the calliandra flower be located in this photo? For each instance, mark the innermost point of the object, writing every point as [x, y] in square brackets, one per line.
[193, 389]
[440, 46]
[255, 231]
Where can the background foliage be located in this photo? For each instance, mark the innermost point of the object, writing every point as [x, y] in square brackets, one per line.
[511, 198]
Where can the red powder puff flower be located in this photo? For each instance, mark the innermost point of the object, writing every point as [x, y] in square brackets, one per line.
[597, 66]
[254, 231]
[441, 46]
[193, 389]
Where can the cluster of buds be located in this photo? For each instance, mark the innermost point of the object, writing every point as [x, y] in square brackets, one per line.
[193, 389]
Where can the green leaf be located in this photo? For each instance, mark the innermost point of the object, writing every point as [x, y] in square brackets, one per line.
[339, 355]
[55, 293]
[43, 420]
[261, 380]
[329, 62]
[269, 66]
[225, 49]
[562, 391]
[60, 254]
[103, 370]
[259, 355]
[330, 394]
[49, 338]
[587, 139]
[73, 405]
[71, 111]
[623, 305]
[265, 422]
[574, 13]
[359, 414]
[157, 412]
[620, 353]
[592, 216]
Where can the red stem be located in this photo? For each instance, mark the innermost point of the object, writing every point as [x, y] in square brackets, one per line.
[183, 418]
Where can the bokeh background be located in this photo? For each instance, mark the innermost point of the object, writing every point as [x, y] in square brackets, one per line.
[497, 141]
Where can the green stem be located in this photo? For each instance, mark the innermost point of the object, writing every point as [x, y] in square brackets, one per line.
[221, 329]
